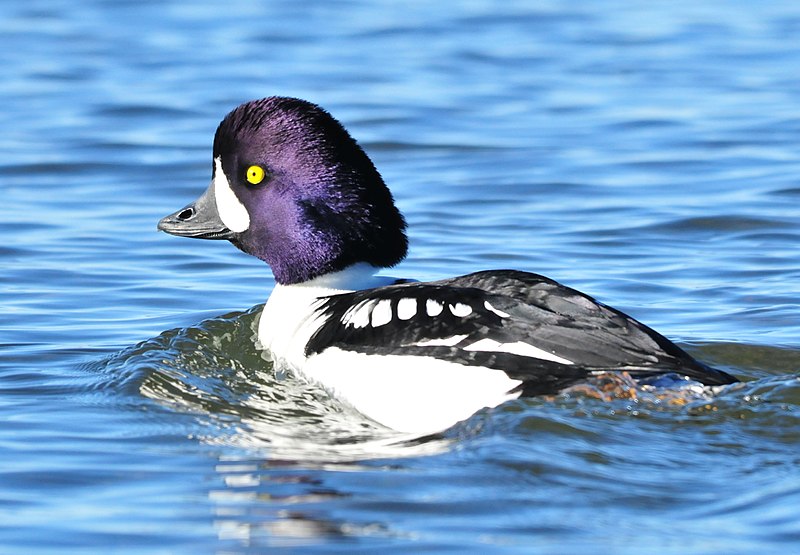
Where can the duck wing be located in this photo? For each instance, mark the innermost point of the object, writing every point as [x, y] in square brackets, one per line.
[534, 329]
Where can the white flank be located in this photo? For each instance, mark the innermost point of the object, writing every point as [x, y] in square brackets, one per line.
[409, 393]
[382, 313]
[460, 309]
[433, 308]
[289, 316]
[406, 308]
[493, 309]
[517, 348]
[231, 211]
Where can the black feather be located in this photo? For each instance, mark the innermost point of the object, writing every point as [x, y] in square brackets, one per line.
[541, 312]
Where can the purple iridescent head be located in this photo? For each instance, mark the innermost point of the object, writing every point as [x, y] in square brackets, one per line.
[293, 188]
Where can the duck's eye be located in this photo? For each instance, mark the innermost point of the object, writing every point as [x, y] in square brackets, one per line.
[255, 175]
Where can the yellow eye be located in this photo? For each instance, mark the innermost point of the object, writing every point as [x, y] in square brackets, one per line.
[255, 175]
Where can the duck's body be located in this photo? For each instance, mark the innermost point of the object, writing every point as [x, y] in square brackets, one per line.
[332, 333]
[292, 187]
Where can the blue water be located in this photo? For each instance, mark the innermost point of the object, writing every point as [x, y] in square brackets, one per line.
[646, 154]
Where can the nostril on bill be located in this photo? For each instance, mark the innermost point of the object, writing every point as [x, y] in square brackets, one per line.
[186, 214]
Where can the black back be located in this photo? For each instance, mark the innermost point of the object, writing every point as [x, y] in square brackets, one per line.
[522, 307]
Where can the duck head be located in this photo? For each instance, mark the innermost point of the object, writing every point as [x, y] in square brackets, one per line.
[290, 186]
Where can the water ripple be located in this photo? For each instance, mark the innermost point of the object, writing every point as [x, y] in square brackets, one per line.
[645, 153]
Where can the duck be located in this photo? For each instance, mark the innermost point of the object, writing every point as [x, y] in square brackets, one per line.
[291, 186]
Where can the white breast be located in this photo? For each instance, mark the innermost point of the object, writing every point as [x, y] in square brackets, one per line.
[407, 393]
[288, 321]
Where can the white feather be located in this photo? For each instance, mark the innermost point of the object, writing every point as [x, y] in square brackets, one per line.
[406, 308]
[231, 211]
[460, 309]
[382, 313]
[442, 342]
[490, 308]
[288, 322]
[409, 393]
[433, 308]
[516, 348]
[358, 314]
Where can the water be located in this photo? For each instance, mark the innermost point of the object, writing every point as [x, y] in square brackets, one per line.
[644, 154]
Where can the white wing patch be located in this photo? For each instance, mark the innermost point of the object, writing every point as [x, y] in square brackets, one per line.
[490, 308]
[406, 308]
[231, 211]
[378, 312]
[442, 341]
[433, 308]
[460, 309]
[358, 315]
[382, 313]
[516, 348]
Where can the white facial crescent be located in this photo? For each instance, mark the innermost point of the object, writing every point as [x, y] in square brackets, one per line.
[232, 212]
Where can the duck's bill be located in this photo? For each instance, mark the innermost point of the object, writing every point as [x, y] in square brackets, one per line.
[199, 220]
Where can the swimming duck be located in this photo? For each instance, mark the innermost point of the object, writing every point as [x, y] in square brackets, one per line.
[291, 186]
